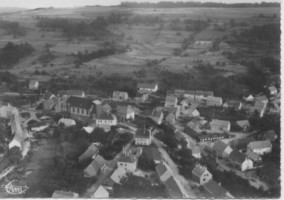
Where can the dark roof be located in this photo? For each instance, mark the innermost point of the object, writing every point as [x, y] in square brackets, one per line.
[173, 189]
[215, 189]
[199, 170]
[152, 153]
[271, 135]
[127, 158]
[142, 133]
[105, 116]
[90, 152]
[124, 109]
[237, 156]
[80, 102]
[161, 168]
[95, 166]
[219, 146]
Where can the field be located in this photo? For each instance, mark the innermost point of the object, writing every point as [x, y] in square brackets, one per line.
[146, 42]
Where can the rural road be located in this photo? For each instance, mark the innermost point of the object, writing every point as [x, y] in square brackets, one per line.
[182, 182]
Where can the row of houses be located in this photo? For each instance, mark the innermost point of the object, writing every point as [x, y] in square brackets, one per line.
[243, 161]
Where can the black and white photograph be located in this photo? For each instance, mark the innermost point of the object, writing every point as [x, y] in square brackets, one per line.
[140, 99]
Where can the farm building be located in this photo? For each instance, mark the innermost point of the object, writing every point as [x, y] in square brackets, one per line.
[240, 160]
[222, 149]
[119, 96]
[147, 87]
[106, 120]
[199, 95]
[171, 101]
[33, 85]
[214, 101]
[125, 112]
[260, 147]
[220, 125]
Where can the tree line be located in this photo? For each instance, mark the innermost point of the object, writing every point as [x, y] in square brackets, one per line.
[12, 53]
[12, 28]
[180, 4]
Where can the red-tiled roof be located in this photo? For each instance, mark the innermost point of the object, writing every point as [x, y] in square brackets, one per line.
[161, 168]
[127, 158]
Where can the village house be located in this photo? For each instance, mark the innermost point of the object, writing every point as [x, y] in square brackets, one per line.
[260, 107]
[190, 94]
[220, 125]
[125, 112]
[249, 98]
[94, 168]
[215, 190]
[175, 92]
[261, 98]
[222, 149]
[101, 192]
[233, 104]
[157, 116]
[269, 135]
[201, 175]
[106, 120]
[256, 159]
[80, 107]
[170, 118]
[141, 97]
[59, 194]
[69, 93]
[173, 114]
[196, 123]
[119, 96]
[243, 124]
[143, 137]
[147, 87]
[260, 147]
[200, 95]
[92, 151]
[173, 189]
[67, 122]
[128, 162]
[118, 174]
[171, 101]
[196, 152]
[272, 90]
[240, 160]
[214, 101]
[191, 111]
[33, 85]
[164, 172]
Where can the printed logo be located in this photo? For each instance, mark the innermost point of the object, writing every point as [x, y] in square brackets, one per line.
[15, 190]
